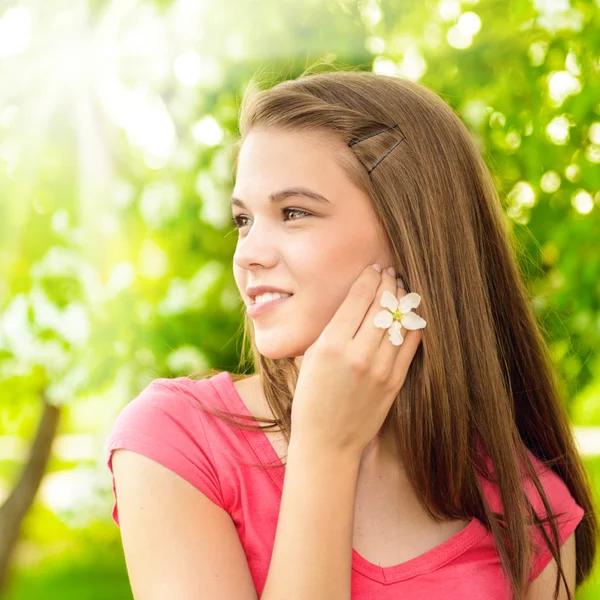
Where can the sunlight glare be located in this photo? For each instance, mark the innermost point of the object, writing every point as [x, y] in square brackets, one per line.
[15, 31]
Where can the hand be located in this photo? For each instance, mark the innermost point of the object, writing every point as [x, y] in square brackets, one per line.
[351, 375]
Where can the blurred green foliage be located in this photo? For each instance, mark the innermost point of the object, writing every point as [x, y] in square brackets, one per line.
[116, 130]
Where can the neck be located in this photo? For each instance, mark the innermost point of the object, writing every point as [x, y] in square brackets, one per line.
[381, 451]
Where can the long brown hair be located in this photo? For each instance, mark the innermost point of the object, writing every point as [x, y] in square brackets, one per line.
[483, 374]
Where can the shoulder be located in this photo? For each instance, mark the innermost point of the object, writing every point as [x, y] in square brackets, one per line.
[168, 399]
[567, 512]
[557, 491]
[553, 486]
[165, 424]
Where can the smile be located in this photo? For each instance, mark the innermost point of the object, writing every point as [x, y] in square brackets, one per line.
[257, 309]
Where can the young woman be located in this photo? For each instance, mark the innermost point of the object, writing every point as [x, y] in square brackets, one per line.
[427, 449]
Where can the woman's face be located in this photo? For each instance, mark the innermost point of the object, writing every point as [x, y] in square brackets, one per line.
[316, 254]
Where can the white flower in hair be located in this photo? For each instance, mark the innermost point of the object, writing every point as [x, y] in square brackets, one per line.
[398, 315]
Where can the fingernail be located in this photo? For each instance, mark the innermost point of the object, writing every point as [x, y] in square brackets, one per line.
[392, 271]
[376, 267]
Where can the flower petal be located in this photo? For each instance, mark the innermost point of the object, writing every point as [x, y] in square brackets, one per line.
[395, 326]
[383, 319]
[412, 321]
[395, 334]
[389, 300]
[409, 301]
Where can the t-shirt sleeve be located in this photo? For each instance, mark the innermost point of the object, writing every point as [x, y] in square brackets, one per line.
[568, 512]
[562, 503]
[163, 424]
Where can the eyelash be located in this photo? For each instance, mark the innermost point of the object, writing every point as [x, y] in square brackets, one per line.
[236, 220]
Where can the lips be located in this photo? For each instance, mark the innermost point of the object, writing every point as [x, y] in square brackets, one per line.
[285, 294]
[256, 310]
[256, 290]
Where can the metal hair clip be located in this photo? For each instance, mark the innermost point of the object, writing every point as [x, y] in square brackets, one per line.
[377, 133]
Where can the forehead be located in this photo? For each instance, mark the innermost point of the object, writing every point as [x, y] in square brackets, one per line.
[274, 160]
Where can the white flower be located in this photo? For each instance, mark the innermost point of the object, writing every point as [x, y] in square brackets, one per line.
[399, 315]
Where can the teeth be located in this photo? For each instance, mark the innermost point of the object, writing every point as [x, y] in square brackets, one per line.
[268, 297]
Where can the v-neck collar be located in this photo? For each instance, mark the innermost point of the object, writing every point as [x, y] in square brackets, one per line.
[428, 561]
[257, 440]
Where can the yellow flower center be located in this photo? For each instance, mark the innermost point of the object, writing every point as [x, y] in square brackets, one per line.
[397, 315]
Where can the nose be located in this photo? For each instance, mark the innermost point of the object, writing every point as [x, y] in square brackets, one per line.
[256, 249]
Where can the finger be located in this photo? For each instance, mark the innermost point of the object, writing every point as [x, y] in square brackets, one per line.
[348, 317]
[388, 350]
[405, 356]
[372, 329]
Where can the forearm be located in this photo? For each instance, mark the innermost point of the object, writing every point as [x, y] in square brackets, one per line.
[312, 553]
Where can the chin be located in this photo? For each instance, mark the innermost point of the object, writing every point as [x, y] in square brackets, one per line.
[276, 350]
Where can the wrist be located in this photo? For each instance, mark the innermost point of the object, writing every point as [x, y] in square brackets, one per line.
[302, 449]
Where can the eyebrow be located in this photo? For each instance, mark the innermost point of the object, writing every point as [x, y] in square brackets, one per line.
[285, 193]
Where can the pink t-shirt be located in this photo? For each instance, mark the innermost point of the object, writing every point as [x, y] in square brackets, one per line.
[164, 424]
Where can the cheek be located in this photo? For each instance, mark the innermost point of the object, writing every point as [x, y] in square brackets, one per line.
[324, 255]
[331, 263]
[238, 277]
[325, 283]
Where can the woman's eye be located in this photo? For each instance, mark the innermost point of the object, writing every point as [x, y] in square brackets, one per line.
[238, 221]
[294, 210]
